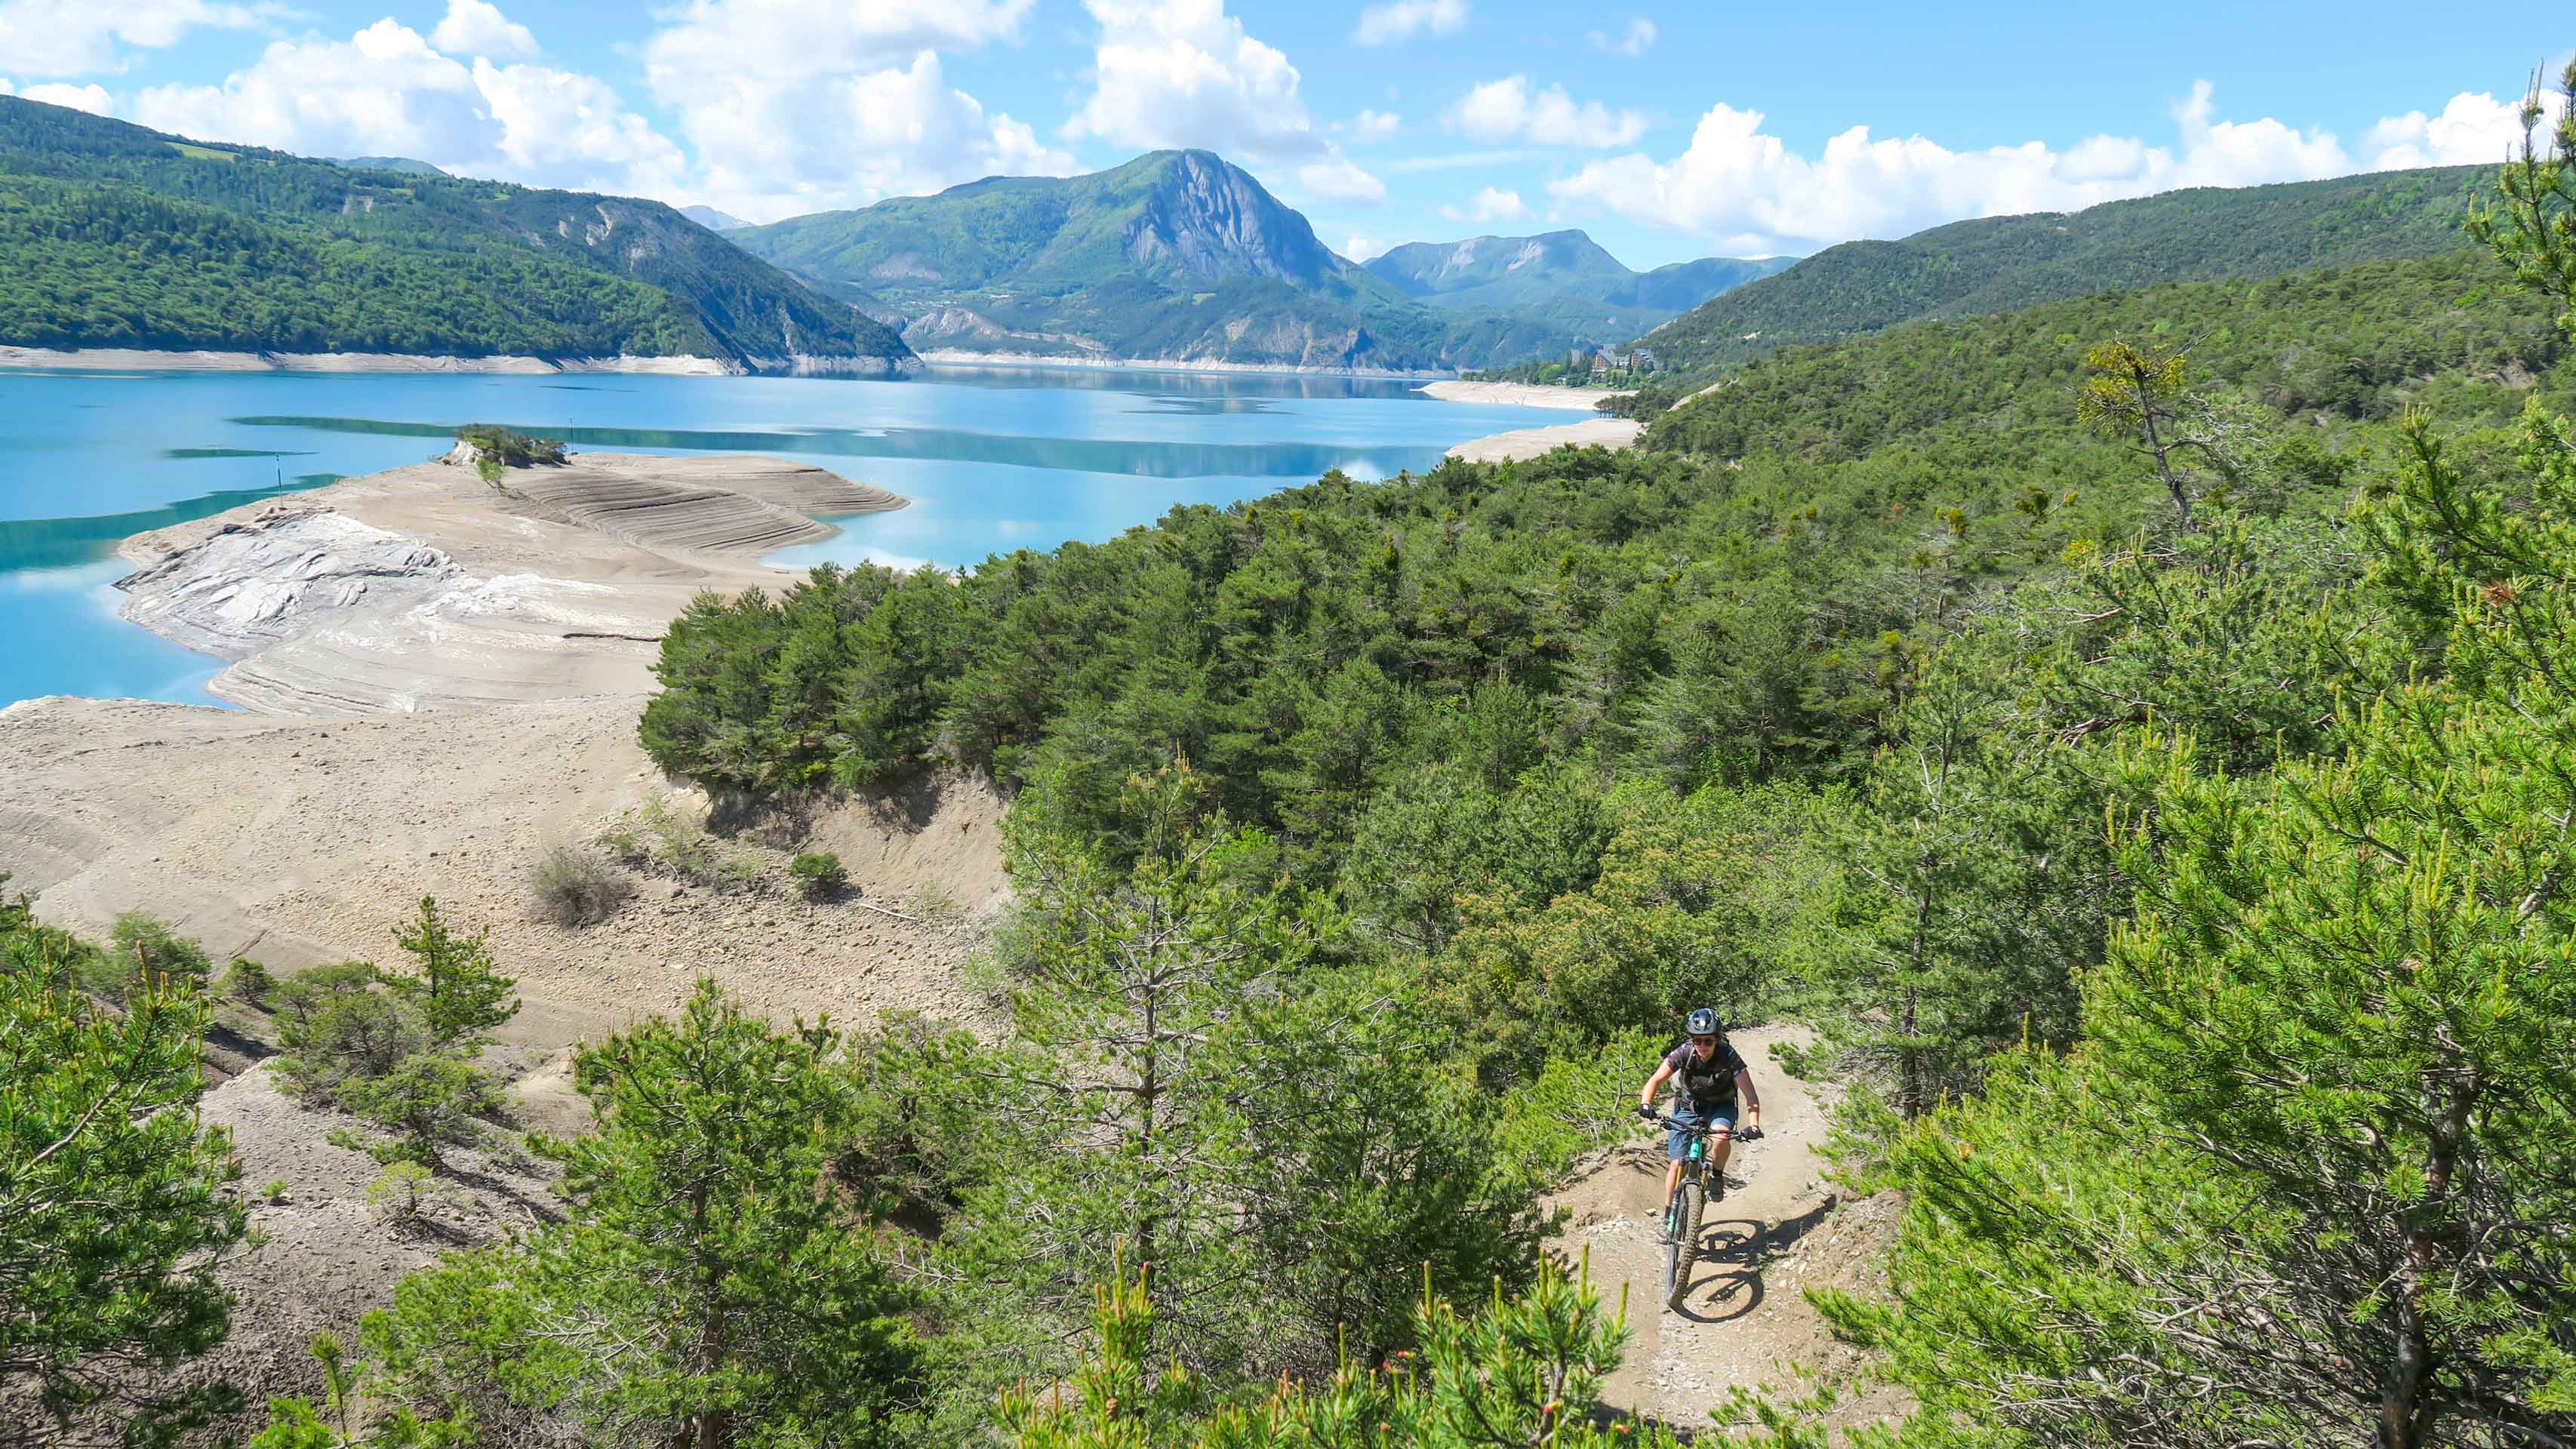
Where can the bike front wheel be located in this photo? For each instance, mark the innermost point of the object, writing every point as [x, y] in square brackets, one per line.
[1684, 1248]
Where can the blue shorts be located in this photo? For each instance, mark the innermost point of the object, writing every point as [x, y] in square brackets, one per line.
[1688, 1116]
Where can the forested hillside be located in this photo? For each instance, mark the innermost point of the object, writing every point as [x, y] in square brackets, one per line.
[2146, 764]
[1821, 707]
[1998, 264]
[112, 235]
[2353, 343]
[1175, 256]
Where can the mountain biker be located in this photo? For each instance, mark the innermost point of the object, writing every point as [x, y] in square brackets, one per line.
[1711, 1080]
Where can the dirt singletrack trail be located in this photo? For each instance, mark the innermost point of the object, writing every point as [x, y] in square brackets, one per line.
[1781, 1229]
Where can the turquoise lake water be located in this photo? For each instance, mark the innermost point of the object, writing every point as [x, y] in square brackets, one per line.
[994, 460]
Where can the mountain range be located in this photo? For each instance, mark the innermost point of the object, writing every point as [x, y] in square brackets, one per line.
[1177, 256]
[114, 235]
[2004, 263]
[1181, 256]
[1563, 278]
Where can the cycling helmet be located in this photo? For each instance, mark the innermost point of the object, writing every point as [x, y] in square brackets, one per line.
[1703, 1022]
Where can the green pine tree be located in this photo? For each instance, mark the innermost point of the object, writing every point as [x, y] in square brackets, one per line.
[458, 990]
[116, 1208]
[712, 1288]
[1529, 1370]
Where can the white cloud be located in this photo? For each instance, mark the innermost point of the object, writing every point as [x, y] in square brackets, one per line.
[1402, 19]
[2473, 130]
[1636, 40]
[1360, 248]
[1506, 110]
[806, 105]
[477, 27]
[383, 91]
[386, 92]
[92, 98]
[847, 140]
[1745, 190]
[1185, 73]
[77, 37]
[1376, 125]
[1336, 179]
[1490, 204]
[572, 130]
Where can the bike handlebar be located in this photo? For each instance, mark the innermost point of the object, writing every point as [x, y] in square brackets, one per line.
[1698, 1129]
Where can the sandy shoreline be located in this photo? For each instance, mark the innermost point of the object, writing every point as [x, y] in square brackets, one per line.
[1520, 395]
[1520, 443]
[136, 359]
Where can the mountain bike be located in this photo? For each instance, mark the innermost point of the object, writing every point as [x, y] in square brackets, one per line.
[1690, 1198]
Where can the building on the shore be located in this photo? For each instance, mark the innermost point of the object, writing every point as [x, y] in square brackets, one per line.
[1606, 362]
[1645, 362]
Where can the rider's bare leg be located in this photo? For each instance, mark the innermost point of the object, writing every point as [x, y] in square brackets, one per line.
[1720, 1143]
[1673, 1179]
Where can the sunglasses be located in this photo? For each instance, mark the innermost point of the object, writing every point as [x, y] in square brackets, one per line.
[1703, 1041]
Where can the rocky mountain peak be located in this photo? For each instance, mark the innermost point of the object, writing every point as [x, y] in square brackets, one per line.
[1202, 214]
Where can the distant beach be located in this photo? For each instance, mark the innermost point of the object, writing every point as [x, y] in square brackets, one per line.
[1612, 433]
[139, 359]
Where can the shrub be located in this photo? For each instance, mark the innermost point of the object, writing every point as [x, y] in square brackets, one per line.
[249, 983]
[819, 875]
[574, 887]
[936, 905]
[509, 447]
[429, 1100]
[670, 843]
[151, 950]
[338, 1029]
[400, 1192]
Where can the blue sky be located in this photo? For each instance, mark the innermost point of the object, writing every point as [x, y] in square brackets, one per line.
[1667, 131]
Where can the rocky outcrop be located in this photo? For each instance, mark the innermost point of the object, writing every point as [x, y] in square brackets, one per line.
[276, 575]
[1211, 218]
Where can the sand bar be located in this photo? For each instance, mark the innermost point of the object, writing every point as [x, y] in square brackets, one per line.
[1611, 433]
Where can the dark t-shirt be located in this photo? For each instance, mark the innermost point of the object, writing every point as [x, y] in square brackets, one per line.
[1706, 1083]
